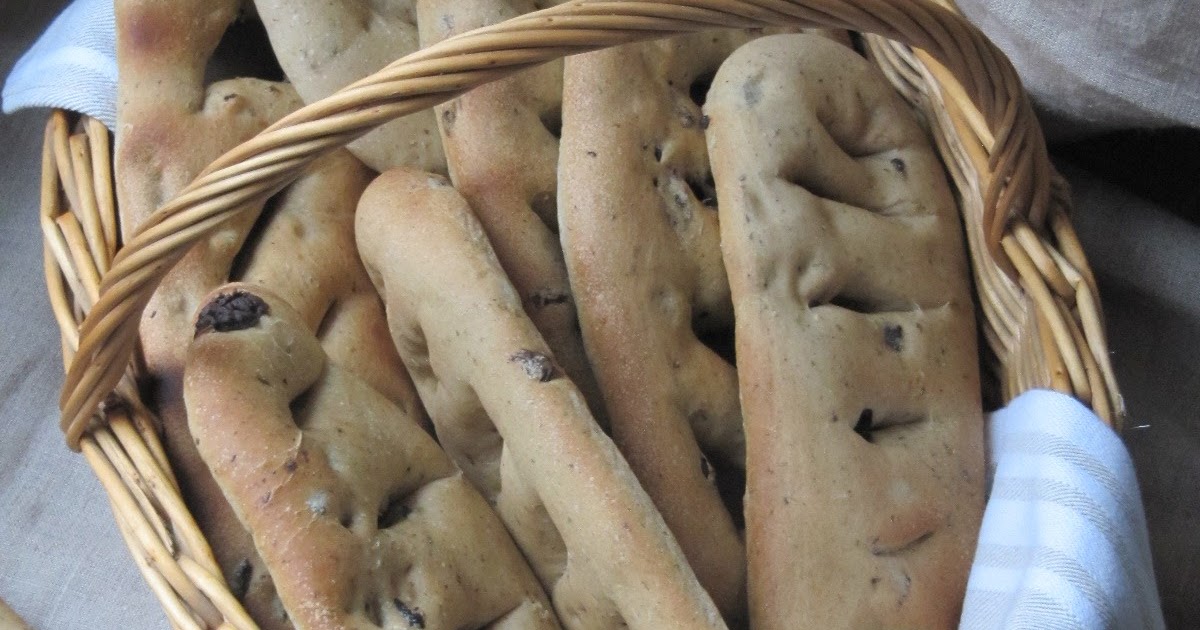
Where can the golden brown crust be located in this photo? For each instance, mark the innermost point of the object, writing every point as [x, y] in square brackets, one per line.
[324, 46]
[501, 143]
[302, 246]
[170, 126]
[640, 235]
[855, 343]
[503, 409]
[361, 519]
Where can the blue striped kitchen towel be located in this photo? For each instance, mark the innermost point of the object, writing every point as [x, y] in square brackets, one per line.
[72, 66]
[1064, 541]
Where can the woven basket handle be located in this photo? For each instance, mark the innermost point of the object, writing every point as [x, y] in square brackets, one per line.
[1018, 167]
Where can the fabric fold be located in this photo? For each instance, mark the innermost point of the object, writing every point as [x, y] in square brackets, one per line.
[1064, 542]
[72, 66]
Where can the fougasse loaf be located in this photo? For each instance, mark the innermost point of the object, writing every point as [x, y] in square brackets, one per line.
[856, 346]
[639, 225]
[360, 517]
[501, 142]
[639, 230]
[519, 428]
[171, 124]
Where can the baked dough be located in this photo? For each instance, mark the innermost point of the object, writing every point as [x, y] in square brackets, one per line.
[639, 231]
[501, 142]
[519, 428]
[855, 343]
[170, 126]
[324, 46]
[362, 520]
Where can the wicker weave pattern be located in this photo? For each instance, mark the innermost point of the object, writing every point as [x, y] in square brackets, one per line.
[124, 452]
[1040, 306]
[1014, 179]
[1042, 320]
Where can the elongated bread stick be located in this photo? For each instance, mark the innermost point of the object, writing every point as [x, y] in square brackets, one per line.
[361, 519]
[855, 343]
[516, 425]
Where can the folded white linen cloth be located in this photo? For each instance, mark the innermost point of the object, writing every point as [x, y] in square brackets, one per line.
[1064, 541]
[72, 66]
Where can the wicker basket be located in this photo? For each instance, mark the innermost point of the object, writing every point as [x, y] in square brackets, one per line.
[1036, 294]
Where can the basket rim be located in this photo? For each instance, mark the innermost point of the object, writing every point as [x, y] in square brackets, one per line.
[1016, 183]
[1033, 283]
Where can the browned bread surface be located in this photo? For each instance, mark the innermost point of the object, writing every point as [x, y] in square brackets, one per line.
[855, 343]
[170, 126]
[501, 143]
[640, 235]
[360, 517]
[324, 46]
[506, 413]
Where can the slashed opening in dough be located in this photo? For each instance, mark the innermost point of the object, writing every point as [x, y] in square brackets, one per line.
[698, 90]
[704, 190]
[552, 121]
[245, 255]
[244, 51]
[372, 611]
[394, 510]
[867, 304]
[874, 426]
[301, 406]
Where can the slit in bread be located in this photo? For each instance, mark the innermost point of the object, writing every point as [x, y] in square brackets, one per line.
[855, 343]
[360, 517]
[507, 414]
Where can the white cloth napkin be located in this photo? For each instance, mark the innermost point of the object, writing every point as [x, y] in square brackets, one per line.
[72, 66]
[1064, 541]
